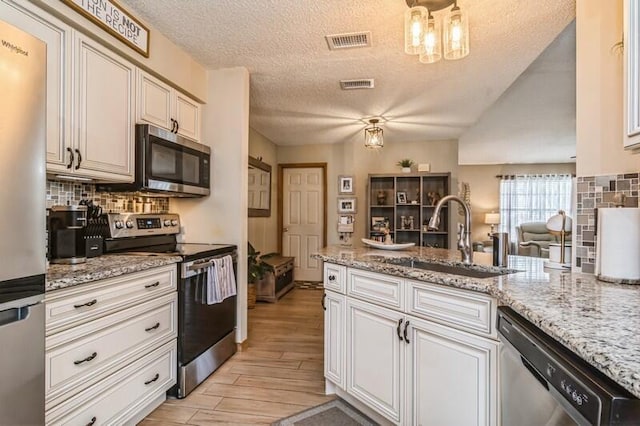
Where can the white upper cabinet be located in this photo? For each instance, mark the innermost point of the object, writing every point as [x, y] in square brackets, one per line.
[631, 135]
[58, 37]
[163, 106]
[105, 100]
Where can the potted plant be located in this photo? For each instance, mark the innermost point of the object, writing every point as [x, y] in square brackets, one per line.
[406, 165]
[255, 272]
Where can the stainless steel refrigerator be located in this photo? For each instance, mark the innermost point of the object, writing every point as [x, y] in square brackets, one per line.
[22, 227]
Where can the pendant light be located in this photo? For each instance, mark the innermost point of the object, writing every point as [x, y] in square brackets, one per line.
[415, 20]
[456, 34]
[424, 34]
[431, 49]
[373, 135]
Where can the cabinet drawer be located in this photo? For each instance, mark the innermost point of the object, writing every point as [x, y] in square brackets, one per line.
[461, 309]
[120, 397]
[381, 289]
[335, 277]
[77, 358]
[68, 307]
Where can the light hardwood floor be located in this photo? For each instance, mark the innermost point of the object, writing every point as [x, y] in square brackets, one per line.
[278, 375]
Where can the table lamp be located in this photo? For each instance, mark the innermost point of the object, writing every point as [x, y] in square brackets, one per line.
[492, 219]
[559, 224]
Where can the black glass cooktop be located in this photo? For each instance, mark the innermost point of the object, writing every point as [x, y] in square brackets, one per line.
[164, 244]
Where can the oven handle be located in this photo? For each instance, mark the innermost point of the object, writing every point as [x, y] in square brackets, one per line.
[194, 268]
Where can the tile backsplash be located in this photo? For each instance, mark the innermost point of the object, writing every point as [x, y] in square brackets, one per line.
[594, 192]
[70, 193]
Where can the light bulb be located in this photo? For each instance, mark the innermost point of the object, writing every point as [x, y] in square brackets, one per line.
[431, 49]
[414, 26]
[416, 31]
[456, 35]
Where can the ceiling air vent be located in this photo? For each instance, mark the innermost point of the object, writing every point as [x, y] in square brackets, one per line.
[349, 40]
[363, 83]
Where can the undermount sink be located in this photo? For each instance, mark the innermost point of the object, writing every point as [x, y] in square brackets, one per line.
[467, 271]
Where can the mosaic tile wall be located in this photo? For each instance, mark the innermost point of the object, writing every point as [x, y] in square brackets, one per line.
[70, 193]
[594, 192]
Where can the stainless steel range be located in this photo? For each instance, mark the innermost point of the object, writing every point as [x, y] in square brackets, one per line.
[206, 333]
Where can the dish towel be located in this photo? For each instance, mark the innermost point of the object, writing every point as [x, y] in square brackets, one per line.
[221, 281]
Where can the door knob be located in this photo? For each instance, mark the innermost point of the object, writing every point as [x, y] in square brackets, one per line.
[285, 229]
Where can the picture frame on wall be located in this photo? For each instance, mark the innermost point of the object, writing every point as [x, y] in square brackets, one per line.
[401, 197]
[345, 184]
[346, 205]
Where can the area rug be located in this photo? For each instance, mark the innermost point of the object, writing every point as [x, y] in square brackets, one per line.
[309, 285]
[334, 413]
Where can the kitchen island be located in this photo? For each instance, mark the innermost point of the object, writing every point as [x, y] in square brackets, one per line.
[597, 321]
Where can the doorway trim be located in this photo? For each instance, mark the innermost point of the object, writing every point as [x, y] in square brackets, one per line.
[281, 168]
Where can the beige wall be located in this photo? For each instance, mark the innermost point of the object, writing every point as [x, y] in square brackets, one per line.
[221, 217]
[485, 188]
[352, 158]
[599, 81]
[166, 60]
[262, 231]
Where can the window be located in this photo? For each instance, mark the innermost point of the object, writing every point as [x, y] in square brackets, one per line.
[532, 198]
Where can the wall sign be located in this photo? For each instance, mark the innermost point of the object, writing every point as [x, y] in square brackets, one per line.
[117, 21]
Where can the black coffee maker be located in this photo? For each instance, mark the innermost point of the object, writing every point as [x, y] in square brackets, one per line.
[67, 225]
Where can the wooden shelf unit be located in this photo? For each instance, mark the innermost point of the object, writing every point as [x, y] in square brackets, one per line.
[419, 188]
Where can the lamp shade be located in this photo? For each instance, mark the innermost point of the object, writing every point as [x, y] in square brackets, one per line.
[456, 34]
[492, 218]
[559, 221]
[415, 21]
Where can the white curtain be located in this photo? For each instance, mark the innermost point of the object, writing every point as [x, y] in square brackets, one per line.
[532, 198]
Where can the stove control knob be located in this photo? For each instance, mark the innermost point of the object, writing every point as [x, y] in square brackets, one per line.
[167, 222]
[174, 222]
[129, 224]
[579, 400]
[550, 370]
[574, 395]
[119, 224]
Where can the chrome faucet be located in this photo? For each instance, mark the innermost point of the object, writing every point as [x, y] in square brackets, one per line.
[464, 234]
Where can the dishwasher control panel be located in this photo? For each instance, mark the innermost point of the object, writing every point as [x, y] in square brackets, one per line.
[552, 369]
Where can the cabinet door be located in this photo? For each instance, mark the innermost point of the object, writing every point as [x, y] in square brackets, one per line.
[187, 113]
[451, 376]
[375, 374]
[154, 101]
[334, 337]
[631, 74]
[105, 112]
[57, 36]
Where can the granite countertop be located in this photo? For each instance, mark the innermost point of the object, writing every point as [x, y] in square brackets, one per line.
[598, 321]
[97, 268]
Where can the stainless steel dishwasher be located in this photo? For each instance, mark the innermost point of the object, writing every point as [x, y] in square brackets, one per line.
[543, 383]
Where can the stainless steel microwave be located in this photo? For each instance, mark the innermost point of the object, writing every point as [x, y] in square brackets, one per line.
[167, 164]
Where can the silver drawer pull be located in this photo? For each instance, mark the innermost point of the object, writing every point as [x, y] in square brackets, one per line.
[156, 284]
[93, 421]
[153, 327]
[87, 359]
[82, 305]
[156, 377]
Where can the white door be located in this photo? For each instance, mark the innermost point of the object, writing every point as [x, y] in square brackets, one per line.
[375, 374]
[334, 337]
[451, 376]
[303, 219]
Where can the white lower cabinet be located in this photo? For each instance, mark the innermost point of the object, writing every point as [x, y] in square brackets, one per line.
[413, 370]
[451, 376]
[334, 337]
[374, 367]
[110, 348]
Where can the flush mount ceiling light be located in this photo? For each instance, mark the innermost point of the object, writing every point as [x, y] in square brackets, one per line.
[373, 135]
[423, 34]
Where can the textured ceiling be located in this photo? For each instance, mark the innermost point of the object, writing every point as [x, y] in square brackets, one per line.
[295, 93]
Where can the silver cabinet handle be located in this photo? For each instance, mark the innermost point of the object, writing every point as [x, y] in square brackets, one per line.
[93, 421]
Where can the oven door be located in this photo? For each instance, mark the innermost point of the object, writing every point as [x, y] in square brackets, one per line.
[201, 325]
[173, 163]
